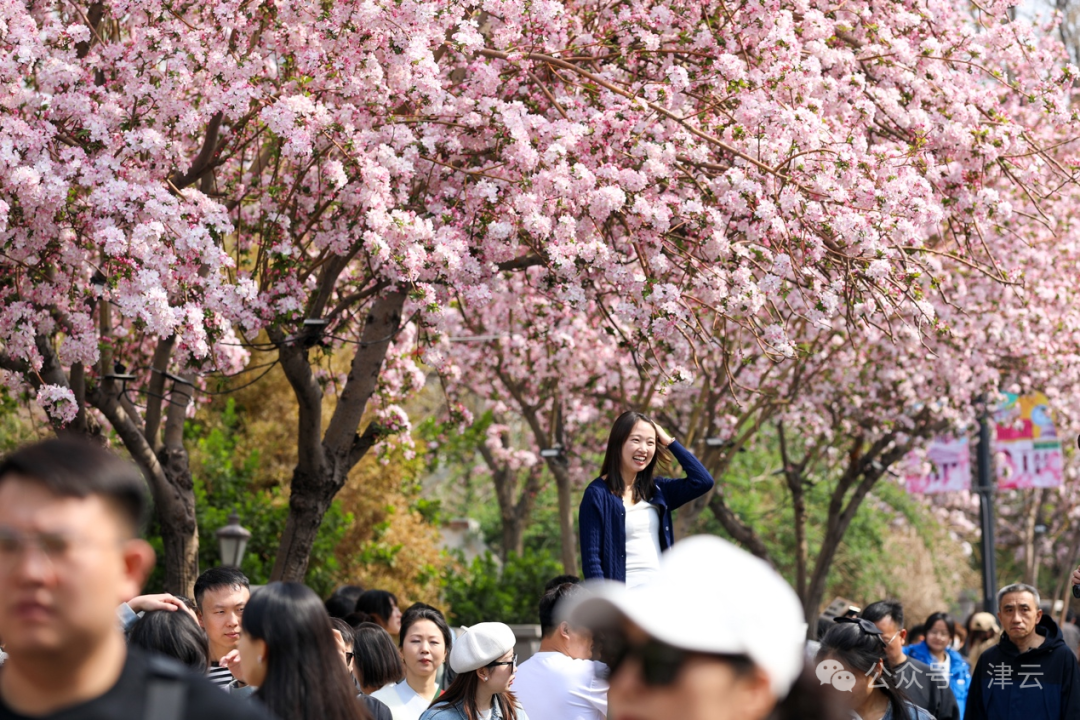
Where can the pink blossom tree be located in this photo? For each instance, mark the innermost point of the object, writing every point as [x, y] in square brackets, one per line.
[673, 169]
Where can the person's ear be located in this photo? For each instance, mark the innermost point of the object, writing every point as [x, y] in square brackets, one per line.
[564, 630]
[138, 560]
[902, 635]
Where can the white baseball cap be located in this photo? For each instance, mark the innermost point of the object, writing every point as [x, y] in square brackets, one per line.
[747, 608]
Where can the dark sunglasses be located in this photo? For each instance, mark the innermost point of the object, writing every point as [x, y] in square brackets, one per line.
[660, 663]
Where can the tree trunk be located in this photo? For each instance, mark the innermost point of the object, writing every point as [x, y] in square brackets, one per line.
[566, 516]
[513, 526]
[309, 499]
[324, 462]
[167, 474]
[179, 527]
[793, 475]
[514, 515]
[739, 531]
[1031, 555]
[687, 515]
[802, 550]
[174, 501]
[1063, 590]
[866, 469]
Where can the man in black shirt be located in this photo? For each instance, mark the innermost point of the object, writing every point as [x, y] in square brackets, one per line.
[923, 687]
[70, 512]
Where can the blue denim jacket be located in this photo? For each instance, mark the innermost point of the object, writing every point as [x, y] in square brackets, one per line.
[442, 711]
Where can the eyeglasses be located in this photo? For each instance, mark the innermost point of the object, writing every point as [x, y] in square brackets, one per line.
[660, 663]
[512, 662]
[56, 547]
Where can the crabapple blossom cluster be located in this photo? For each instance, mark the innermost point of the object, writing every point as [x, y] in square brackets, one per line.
[671, 169]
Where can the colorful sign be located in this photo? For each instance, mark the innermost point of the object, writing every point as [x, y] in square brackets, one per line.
[1028, 443]
[950, 463]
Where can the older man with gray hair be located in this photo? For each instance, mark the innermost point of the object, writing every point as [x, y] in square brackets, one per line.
[1031, 673]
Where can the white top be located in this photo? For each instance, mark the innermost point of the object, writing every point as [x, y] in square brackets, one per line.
[553, 686]
[484, 714]
[642, 543]
[404, 702]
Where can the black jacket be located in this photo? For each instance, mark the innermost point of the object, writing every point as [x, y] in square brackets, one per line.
[1040, 684]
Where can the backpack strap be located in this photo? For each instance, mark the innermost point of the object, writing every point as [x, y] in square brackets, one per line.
[166, 691]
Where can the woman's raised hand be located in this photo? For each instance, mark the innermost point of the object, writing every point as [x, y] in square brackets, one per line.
[662, 436]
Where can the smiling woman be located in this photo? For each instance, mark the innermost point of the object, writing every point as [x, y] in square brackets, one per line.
[625, 515]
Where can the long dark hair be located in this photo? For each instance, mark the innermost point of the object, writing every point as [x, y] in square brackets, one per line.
[304, 675]
[463, 692]
[612, 468]
[861, 650]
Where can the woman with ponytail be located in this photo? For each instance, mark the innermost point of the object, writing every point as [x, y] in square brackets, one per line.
[852, 655]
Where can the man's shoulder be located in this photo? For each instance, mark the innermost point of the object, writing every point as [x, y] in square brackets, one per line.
[207, 701]
[1058, 653]
[202, 699]
[158, 688]
[557, 663]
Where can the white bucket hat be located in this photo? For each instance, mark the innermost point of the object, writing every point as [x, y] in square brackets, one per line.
[747, 607]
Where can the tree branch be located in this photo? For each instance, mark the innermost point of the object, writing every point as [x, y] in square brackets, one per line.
[204, 160]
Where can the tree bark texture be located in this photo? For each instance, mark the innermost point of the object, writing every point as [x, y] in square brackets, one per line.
[325, 459]
[566, 515]
[169, 479]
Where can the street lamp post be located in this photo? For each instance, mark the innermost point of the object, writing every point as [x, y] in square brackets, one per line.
[986, 490]
[232, 541]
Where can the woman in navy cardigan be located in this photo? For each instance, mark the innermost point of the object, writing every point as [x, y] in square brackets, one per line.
[625, 516]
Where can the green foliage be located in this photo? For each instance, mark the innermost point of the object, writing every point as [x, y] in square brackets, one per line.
[760, 496]
[484, 592]
[227, 481]
[16, 423]
[454, 455]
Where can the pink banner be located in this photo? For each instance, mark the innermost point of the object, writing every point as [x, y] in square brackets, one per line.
[950, 462]
[1028, 444]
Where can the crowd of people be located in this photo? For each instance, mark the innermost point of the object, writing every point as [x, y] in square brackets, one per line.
[694, 630]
